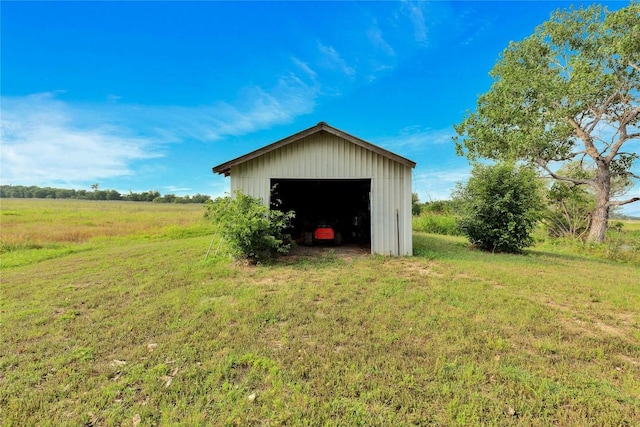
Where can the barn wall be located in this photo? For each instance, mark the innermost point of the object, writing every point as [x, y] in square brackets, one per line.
[323, 155]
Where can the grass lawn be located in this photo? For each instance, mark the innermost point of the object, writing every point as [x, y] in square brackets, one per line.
[128, 324]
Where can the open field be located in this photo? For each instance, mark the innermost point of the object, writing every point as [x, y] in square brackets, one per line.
[59, 227]
[130, 325]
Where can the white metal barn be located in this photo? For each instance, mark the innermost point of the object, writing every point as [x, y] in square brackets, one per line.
[328, 176]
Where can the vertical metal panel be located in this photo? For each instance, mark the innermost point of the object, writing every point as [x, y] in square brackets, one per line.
[327, 156]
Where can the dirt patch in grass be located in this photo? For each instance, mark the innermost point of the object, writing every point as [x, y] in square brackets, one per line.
[592, 326]
[609, 329]
[409, 267]
[344, 252]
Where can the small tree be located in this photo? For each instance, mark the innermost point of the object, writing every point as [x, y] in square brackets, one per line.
[416, 207]
[253, 230]
[500, 206]
[569, 206]
[568, 212]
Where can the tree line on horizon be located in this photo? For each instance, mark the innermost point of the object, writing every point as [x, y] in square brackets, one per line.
[35, 192]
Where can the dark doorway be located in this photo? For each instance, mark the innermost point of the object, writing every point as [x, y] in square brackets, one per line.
[342, 204]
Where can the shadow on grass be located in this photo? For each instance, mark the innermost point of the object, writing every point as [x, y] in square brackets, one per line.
[437, 246]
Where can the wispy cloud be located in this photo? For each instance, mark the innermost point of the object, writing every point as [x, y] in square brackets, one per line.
[305, 68]
[331, 59]
[438, 184]
[45, 141]
[415, 13]
[432, 179]
[377, 39]
[254, 109]
[469, 27]
[414, 139]
[173, 189]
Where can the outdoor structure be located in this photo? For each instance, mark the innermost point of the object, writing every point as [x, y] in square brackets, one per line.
[331, 178]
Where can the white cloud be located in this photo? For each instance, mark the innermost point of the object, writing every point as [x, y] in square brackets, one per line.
[416, 139]
[331, 59]
[305, 68]
[45, 141]
[376, 38]
[254, 109]
[172, 189]
[414, 11]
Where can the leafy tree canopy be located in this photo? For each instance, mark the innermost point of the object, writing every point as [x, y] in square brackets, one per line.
[568, 93]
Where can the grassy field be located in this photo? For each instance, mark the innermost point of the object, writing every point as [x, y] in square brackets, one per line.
[128, 324]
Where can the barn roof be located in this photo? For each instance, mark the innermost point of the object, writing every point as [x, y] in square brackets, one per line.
[225, 168]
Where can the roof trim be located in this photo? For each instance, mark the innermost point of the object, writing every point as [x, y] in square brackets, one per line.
[225, 168]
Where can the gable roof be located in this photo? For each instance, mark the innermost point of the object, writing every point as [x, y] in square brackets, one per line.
[225, 168]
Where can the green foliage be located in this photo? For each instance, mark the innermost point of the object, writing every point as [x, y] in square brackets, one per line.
[500, 206]
[253, 230]
[415, 204]
[569, 92]
[440, 207]
[568, 211]
[622, 246]
[569, 206]
[437, 217]
[430, 222]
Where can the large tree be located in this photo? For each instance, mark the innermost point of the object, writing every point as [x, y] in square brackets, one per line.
[568, 93]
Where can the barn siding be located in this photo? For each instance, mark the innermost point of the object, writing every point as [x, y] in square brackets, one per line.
[327, 156]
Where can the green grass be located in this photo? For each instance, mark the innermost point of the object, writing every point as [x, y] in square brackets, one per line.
[144, 331]
[430, 222]
[33, 230]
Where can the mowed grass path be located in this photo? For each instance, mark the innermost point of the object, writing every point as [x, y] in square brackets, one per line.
[144, 331]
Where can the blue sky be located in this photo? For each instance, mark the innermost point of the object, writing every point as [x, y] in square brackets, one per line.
[150, 95]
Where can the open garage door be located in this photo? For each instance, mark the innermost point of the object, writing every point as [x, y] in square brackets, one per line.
[343, 204]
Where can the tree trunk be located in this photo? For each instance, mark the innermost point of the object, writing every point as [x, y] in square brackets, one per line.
[600, 216]
[599, 222]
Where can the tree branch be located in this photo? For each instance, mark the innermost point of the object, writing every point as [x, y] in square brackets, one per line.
[631, 174]
[586, 139]
[624, 202]
[553, 175]
[629, 117]
[598, 113]
[623, 134]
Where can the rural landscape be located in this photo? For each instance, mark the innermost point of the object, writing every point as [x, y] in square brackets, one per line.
[128, 313]
[320, 290]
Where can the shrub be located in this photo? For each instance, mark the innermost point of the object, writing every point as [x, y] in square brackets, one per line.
[252, 230]
[415, 204]
[500, 206]
[440, 207]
